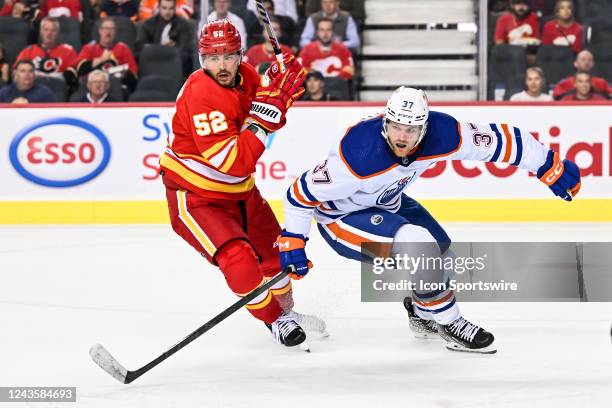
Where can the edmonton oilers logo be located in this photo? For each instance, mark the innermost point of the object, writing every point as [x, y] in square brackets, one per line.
[376, 219]
[393, 191]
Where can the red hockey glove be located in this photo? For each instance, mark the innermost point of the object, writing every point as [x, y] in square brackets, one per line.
[271, 102]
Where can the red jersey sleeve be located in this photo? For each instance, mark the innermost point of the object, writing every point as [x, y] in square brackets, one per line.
[86, 54]
[348, 69]
[305, 57]
[501, 33]
[124, 56]
[548, 35]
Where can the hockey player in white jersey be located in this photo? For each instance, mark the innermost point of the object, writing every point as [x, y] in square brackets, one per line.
[356, 196]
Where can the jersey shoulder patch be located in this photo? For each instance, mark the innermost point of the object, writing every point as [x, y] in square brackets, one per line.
[364, 150]
[442, 137]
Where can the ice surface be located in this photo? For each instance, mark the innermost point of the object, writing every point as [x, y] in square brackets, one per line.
[139, 289]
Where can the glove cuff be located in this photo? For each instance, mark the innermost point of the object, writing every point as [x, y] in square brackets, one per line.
[285, 233]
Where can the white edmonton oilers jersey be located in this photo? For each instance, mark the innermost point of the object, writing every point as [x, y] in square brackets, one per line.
[362, 172]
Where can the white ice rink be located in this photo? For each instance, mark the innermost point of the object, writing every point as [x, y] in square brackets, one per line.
[140, 289]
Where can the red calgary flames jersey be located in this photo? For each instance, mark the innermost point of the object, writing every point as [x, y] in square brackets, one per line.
[51, 61]
[208, 152]
[337, 61]
[121, 52]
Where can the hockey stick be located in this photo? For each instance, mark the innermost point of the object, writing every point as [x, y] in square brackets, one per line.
[108, 363]
[265, 20]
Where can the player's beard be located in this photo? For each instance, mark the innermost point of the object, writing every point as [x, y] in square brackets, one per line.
[224, 78]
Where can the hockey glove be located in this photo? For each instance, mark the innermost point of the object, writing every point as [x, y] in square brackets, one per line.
[272, 101]
[292, 254]
[562, 177]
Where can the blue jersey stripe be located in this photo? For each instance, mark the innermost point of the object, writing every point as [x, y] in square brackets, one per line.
[331, 205]
[519, 146]
[445, 308]
[332, 216]
[295, 203]
[304, 185]
[499, 143]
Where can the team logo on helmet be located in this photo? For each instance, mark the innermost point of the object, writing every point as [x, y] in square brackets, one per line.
[219, 37]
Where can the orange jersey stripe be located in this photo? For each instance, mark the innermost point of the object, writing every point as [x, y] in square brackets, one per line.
[508, 136]
[347, 236]
[435, 302]
[300, 198]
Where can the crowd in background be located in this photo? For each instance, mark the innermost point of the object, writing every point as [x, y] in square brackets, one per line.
[551, 39]
[142, 50]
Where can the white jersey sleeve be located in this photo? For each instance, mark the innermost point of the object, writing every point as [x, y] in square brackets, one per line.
[499, 142]
[318, 187]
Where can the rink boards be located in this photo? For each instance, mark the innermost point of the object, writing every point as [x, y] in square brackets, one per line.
[77, 164]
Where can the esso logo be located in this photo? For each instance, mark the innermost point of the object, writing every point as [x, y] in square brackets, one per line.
[60, 152]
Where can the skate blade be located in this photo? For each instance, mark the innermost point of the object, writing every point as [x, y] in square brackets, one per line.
[304, 347]
[311, 323]
[426, 336]
[490, 349]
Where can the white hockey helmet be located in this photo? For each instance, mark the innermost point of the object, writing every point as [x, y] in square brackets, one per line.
[407, 106]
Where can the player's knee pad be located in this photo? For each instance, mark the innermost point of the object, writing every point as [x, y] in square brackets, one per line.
[240, 266]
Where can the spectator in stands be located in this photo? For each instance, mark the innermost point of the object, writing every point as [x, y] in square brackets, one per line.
[315, 88]
[583, 89]
[326, 55]
[98, 83]
[222, 12]
[344, 26]
[286, 8]
[519, 26]
[61, 8]
[6, 8]
[534, 85]
[563, 30]
[110, 55]
[24, 9]
[24, 89]
[166, 28]
[51, 58]
[148, 8]
[584, 62]
[126, 8]
[260, 53]
[4, 66]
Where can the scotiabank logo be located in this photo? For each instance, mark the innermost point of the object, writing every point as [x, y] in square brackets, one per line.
[60, 152]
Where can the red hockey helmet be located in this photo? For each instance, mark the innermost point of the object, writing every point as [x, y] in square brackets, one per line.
[219, 37]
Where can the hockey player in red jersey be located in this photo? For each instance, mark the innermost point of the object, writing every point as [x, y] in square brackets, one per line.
[222, 120]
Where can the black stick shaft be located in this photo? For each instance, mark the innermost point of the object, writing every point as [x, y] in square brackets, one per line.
[132, 375]
[265, 19]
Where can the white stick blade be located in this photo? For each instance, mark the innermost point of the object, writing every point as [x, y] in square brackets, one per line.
[103, 358]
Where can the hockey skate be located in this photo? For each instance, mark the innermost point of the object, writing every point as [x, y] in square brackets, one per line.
[421, 328]
[310, 323]
[287, 331]
[461, 335]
